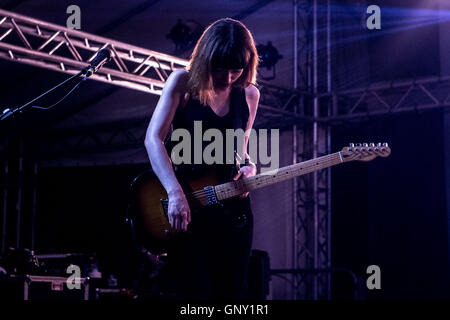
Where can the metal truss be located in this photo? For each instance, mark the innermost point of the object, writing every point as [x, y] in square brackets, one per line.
[313, 234]
[42, 44]
[388, 98]
[113, 136]
[46, 45]
[312, 215]
[320, 111]
[286, 107]
[19, 194]
[278, 107]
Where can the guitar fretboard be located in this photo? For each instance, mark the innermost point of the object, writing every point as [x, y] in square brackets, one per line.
[235, 188]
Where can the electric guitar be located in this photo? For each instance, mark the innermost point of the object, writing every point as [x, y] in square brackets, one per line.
[148, 205]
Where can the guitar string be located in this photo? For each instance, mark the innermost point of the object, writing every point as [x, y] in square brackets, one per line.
[324, 161]
[200, 194]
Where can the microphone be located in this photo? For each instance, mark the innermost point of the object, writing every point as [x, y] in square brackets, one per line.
[102, 57]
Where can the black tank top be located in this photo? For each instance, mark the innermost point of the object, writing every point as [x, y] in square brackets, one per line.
[236, 118]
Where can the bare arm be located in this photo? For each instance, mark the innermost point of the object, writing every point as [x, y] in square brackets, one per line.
[252, 96]
[170, 99]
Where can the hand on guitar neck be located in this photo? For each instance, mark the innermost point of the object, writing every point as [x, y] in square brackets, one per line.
[246, 171]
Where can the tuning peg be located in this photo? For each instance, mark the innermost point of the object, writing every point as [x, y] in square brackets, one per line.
[385, 144]
[365, 145]
[372, 145]
[358, 144]
[379, 145]
[351, 145]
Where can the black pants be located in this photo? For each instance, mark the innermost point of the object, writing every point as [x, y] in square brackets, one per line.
[210, 261]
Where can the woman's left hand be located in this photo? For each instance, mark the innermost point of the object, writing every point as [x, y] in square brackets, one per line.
[246, 172]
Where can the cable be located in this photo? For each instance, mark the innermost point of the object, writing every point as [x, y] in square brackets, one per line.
[46, 108]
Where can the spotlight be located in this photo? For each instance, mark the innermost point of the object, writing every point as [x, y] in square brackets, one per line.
[185, 34]
[269, 57]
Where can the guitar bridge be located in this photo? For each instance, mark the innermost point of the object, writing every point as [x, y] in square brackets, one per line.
[211, 197]
[210, 194]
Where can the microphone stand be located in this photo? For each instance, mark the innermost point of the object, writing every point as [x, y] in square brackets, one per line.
[10, 113]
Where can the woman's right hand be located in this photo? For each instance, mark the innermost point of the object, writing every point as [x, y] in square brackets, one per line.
[179, 212]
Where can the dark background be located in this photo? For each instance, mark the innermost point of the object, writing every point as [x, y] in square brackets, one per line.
[392, 212]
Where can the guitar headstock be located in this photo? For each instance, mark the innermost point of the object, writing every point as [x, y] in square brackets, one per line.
[365, 151]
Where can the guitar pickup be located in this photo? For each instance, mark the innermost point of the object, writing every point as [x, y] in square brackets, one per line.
[211, 197]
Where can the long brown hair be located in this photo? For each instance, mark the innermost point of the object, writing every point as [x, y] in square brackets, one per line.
[227, 44]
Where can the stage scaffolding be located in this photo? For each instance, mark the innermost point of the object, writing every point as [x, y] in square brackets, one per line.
[308, 109]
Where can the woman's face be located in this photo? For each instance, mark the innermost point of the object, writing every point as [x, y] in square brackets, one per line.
[224, 78]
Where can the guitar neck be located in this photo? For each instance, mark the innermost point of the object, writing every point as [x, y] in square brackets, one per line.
[238, 187]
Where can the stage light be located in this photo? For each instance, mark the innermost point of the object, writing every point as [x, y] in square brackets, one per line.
[185, 34]
[269, 57]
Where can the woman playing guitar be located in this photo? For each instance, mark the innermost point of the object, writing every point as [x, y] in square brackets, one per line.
[210, 252]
